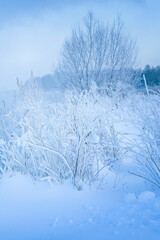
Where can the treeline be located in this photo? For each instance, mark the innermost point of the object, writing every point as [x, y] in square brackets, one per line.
[152, 75]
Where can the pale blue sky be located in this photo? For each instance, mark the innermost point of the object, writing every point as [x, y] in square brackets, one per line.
[32, 32]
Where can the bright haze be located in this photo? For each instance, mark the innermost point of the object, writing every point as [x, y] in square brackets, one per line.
[32, 32]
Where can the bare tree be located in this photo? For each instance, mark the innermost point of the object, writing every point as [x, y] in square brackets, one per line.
[96, 52]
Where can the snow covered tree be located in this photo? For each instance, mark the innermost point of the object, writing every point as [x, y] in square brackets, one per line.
[97, 53]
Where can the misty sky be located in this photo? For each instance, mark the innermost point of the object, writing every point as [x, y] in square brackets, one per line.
[32, 32]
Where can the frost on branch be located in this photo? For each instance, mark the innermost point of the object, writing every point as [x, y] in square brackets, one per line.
[68, 139]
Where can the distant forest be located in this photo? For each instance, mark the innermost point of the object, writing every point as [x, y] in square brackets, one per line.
[152, 75]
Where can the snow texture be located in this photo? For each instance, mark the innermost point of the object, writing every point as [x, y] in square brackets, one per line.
[43, 211]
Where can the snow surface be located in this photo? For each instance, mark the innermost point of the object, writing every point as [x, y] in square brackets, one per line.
[42, 211]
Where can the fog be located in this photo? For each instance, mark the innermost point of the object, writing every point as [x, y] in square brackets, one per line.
[32, 34]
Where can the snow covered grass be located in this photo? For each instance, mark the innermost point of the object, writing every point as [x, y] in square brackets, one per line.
[72, 139]
[81, 137]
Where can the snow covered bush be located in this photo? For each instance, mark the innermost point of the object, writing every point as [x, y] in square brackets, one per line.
[148, 151]
[55, 141]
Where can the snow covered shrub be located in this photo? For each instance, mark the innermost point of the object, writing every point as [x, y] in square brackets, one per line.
[15, 156]
[88, 135]
[67, 139]
[148, 154]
